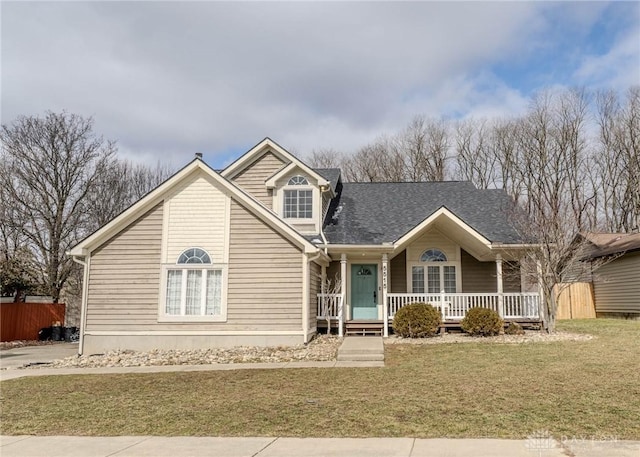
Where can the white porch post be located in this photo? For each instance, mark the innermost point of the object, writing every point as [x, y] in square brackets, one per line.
[500, 285]
[343, 292]
[385, 310]
[324, 301]
[541, 306]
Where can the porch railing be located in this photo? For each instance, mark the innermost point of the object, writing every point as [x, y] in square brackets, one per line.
[455, 306]
[329, 306]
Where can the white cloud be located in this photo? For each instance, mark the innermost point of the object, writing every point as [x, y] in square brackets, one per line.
[618, 68]
[169, 79]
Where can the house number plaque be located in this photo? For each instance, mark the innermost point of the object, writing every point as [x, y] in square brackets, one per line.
[384, 277]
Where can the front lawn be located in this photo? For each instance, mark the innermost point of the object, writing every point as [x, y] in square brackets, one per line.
[588, 389]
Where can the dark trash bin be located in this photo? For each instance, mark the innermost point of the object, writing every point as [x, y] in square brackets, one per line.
[68, 333]
[44, 334]
[57, 333]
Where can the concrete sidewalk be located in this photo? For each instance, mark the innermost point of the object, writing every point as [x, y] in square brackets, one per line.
[22, 373]
[121, 446]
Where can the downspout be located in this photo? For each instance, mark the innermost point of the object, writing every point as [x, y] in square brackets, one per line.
[83, 303]
[324, 240]
[306, 292]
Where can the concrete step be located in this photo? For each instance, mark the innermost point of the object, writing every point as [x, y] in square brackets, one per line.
[362, 357]
[361, 349]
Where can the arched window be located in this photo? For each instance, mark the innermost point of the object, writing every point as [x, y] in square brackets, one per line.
[194, 255]
[298, 203]
[433, 278]
[193, 287]
[433, 255]
[298, 181]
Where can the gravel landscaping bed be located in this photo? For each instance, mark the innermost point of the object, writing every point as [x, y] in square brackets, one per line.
[530, 336]
[322, 348]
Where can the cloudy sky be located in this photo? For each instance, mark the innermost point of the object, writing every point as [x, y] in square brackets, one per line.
[167, 79]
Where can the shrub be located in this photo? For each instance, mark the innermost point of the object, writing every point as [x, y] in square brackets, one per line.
[417, 320]
[514, 329]
[482, 322]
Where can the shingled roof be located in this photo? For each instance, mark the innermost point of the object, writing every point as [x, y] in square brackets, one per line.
[612, 243]
[330, 174]
[375, 213]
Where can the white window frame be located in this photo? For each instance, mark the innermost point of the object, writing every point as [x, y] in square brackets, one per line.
[183, 317]
[299, 187]
[440, 264]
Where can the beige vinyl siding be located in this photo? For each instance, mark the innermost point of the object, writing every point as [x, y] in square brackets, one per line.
[511, 277]
[264, 279]
[252, 179]
[398, 270]
[477, 277]
[265, 275]
[432, 239]
[124, 278]
[617, 285]
[315, 272]
[481, 277]
[196, 217]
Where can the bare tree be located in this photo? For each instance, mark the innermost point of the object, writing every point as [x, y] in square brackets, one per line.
[325, 158]
[119, 185]
[618, 163]
[424, 144]
[50, 165]
[477, 155]
[330, 288]
[556, 258]
[418, 153]
[375, 162]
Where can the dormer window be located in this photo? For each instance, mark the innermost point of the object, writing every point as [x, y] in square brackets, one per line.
[298, 181]
[298, 203]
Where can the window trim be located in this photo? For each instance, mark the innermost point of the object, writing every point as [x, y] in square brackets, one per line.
[162, 314]
[299, 178]
[436, 263]
[284, 203]
[441, 266]
[298, 187]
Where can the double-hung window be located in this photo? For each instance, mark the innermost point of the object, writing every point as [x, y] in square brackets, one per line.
[194, 287]
[298, 202]
[434, 274]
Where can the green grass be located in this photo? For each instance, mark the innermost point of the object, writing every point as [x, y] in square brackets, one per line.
[577, 389]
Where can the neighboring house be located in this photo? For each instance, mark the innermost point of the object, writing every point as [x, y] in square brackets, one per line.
[243, 256]
[616, 284]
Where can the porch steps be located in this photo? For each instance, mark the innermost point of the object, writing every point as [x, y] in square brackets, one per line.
[361, 349]
[364, 327]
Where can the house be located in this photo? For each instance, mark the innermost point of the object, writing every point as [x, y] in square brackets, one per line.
[616, 284]
[244, 256]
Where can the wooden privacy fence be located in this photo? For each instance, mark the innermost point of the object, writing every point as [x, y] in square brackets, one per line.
[22, 321]
[575, 301]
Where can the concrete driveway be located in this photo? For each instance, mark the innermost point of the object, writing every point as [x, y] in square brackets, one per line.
[19, 357]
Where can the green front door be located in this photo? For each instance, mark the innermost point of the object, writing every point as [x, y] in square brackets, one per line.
[364, 291]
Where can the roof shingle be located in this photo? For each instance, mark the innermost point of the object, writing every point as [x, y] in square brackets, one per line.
[375, 213]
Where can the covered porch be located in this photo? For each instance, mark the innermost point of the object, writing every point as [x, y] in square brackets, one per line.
[441, 262]
[520, 307]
